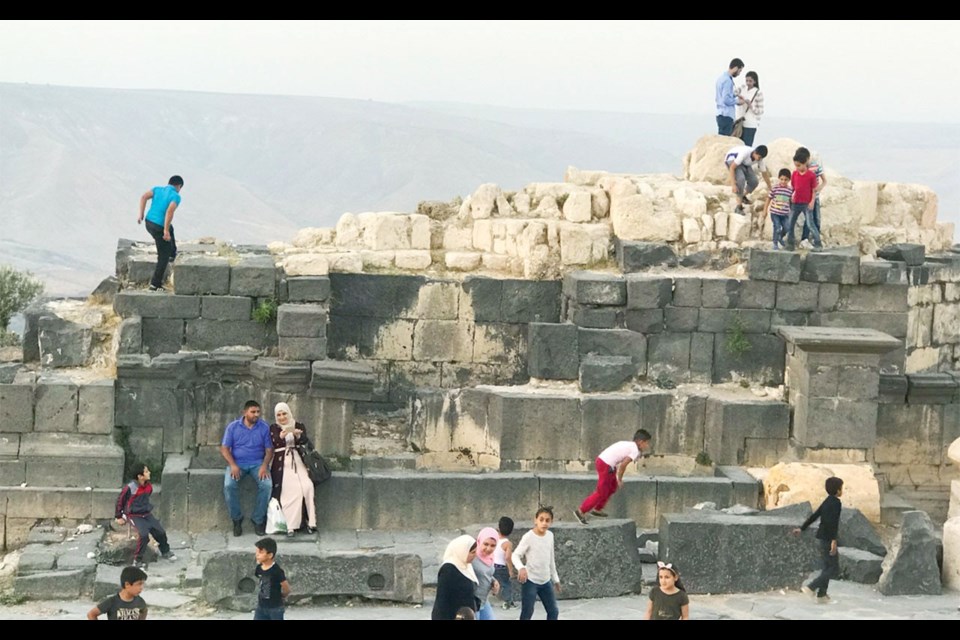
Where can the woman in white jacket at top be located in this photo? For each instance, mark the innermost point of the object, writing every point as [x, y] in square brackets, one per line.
[750, 107]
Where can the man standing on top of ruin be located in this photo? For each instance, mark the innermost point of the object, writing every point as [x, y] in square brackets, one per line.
[160, 225]
[725, 98]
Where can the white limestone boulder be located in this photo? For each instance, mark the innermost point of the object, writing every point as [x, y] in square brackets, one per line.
[795, 482]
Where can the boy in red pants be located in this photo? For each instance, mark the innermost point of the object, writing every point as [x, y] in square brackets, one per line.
[611, 464]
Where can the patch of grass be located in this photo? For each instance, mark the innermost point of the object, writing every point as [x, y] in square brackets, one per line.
[703, 458]
[9, 599]
[737, 342]
[266, 311]
[663, 382]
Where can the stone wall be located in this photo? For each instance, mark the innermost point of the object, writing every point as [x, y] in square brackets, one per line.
[423, 332]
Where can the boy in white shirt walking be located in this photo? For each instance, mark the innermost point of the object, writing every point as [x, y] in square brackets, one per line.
[536, 564]
[611, 464]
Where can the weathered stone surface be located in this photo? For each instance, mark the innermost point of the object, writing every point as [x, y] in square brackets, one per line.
[726, 320]
[207, 335]
[524, 301]
[64, 343]
[443, 341]
[801, 296]
[757, 294]
[161, 335]
[8, 371]
[482, 299]
[797, 482]
[892, 389]
[614, 342]
[225, 307]
[200, 275]
[16, 408]
[301, 321]
[911, 567]
[595, 317]
[587, 287]
[686, 292]
[228, 577]
[668, 354]
[763, 361]
[95, 409]
[106, 291]
[860, 566]
[951, 552]
[881, 297]
[255, 277]
[53, 585]
[730, 421]
[932, 388]
[56, 405]
[720, 293]
[131, 335]
[838, 339]
[874, 271]
[778, 266]
[648, 292]
[681, 319]
[605, 373]
[912, 254]
[344, 380]
[637, 256]
[439, 301]
[156, 305]
[856, 532]
[308, 289]
[831, 267]
[759, 554]
[644, 320]
[553, 351]
[531, 425]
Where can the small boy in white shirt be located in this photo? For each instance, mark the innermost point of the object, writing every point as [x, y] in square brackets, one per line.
[610, 464]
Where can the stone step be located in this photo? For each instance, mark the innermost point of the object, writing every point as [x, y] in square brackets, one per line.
[67, 460]
[403, 461]
[934, 500]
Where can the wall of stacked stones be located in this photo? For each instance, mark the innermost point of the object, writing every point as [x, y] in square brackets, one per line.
[423, 332]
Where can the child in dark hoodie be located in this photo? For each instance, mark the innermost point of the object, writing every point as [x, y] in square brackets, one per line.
[134, 506]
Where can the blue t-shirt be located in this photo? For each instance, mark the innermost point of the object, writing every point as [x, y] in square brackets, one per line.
[247, 445]
[162, 197]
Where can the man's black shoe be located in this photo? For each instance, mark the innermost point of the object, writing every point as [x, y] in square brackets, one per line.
[238, 528]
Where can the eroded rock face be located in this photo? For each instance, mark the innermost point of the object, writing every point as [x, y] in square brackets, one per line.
[911, 568]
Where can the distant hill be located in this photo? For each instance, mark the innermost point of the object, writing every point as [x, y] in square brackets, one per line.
[74, 161]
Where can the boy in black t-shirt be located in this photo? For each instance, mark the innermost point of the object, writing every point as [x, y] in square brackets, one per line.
[273, 582]
[127, 603]
[829, 514]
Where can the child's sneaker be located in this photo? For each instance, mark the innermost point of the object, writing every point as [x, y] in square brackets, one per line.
[739, 210]
[580, 516]
[824, 600]
[597, 512]
[808, 591]
[139, 564]
[169, 555]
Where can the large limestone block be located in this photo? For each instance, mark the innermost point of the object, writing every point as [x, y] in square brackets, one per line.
[311, 237]
[578, 207]
[790, 483]
[483, 201]
[704, 163]
[382, 231]
[348, 231]
[906, 205]
[635, 218]
[951, 553]
[306, 264]
[953, 452]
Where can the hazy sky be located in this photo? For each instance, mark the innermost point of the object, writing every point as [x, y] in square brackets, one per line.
[890, 70]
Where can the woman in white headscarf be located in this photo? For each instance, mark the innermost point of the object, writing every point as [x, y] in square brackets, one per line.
[456, 580]
[292, 486]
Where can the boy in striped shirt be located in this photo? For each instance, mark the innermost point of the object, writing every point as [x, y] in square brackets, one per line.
[778, 207]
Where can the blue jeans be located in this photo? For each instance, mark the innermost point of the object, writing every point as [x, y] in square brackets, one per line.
[724, 125]
[231, 493]
[815, 219]
[779, 228]
[748, 135]
[486, 612]
[530, 591]
[829, 567]
[502, 575]
[268, 613]
[796, 209]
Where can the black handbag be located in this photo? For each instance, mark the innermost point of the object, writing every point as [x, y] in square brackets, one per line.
[317, 467]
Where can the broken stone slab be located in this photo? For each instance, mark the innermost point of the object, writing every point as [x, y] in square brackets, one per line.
[911, 568]
[605, 373]
[597, 561]
[857, 565]
[637, 256]
[228, 577]
[797, 512]
[778, 266]
[912, 254]
[740, 510]
[106, 291]
[856, 532]
[53, 585]
[64, 343]
[759, 554]
[8, 371]
[36, 558]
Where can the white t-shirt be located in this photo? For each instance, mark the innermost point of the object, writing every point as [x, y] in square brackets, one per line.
[618, 451]
[535, 554]
[750, 118]
[742, 156]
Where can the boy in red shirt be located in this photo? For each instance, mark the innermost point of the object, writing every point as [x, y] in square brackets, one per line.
[804, 183]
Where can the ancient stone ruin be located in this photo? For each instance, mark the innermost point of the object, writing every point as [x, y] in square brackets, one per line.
[502, 341]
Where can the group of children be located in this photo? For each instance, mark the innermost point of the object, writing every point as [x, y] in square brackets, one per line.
[473, 569]
[796, 193]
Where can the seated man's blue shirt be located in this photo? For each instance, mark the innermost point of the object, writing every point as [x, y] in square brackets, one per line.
[247, 446]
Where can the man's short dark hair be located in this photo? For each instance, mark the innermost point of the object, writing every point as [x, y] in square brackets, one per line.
[267, 544]
[137, 470]
[802, 155]
[505, 526]
[761, 150]
[250, 403]
[642, 434]
[784, 173]
[833, 485]
[176, 181]
[736, 63]
[129, 575]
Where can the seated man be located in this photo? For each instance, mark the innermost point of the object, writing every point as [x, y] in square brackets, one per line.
[247, 448]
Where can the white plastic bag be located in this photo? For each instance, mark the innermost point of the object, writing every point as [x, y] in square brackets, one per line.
[276, 523]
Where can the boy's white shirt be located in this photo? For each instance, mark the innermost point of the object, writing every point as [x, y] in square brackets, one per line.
[536, 555]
